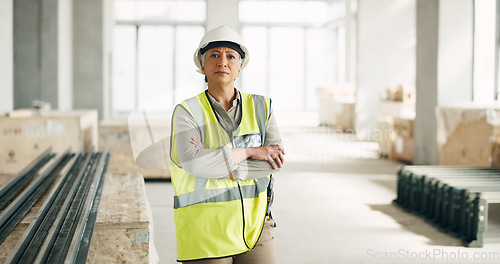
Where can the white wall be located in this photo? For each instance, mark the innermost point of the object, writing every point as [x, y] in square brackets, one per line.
[455, 51]
[6, 53]
[386, 54]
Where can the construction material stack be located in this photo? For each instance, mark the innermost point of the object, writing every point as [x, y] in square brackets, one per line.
[454, 198]
[396, 114]
[26, 133]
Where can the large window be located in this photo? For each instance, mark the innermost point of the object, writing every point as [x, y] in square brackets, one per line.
[154, 42]
[295, 47]
[486, 50]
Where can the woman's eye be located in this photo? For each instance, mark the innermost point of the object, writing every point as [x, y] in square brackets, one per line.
[231, 57]
[214, 56]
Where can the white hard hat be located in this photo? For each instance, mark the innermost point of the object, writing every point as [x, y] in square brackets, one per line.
[225, 36]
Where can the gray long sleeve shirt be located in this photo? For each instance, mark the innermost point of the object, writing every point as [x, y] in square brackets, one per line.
[218, 163]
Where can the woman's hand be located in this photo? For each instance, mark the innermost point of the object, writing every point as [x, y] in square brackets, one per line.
[274, 154]
[197, 143]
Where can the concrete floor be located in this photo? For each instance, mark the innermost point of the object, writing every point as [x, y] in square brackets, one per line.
[334, 205]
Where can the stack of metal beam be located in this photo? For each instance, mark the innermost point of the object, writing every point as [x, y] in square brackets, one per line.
[62, 229]
[454, 198]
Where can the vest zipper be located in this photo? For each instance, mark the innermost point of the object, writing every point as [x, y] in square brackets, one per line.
[243, 215]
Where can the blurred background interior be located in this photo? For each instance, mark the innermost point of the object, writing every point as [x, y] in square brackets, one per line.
[360, 88]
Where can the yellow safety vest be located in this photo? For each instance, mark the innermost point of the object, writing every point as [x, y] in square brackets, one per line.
[217, 218]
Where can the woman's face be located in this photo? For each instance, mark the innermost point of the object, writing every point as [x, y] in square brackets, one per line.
[222, 65]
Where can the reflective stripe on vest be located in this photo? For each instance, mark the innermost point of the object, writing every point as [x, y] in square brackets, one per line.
[261, 115]
[195, 107]
[201, 195]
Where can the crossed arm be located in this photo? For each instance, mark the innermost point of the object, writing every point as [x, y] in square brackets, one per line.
[274, 154]
[241, 163]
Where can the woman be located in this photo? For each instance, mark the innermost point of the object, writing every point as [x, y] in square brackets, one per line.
[225, 146]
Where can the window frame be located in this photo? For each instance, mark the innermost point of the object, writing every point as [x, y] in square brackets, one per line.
[333, 24]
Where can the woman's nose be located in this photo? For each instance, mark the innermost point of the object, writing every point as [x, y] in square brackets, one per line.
[222, 61]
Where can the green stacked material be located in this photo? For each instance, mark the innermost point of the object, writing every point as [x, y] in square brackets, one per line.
[454, 198]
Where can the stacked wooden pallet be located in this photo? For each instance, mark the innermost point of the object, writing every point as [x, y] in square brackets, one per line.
[454, 198]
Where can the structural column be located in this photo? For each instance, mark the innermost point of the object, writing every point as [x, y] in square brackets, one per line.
[425, 142]
[38, 39]
[91, 55]
[28, 53]
[444, 67]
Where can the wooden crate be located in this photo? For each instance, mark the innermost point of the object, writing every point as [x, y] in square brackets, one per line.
[25, 134]
[124, 227]
[465, 136]
[495, 159]
[114, 136]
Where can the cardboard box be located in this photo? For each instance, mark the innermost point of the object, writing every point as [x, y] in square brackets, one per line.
[385, 137]
[403, 147]
[114, 136]
[25, 134]
[328, 106]
[398, 94]
[402, 95]
[344, 114]
[403, 142]
[124, 230]
[395, 109]
[403, 126]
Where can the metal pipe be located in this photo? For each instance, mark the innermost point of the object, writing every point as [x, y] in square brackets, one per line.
[12, 189]
[6, 188]
[21, 248]
[13, 214]
[46, 247]
[76, 242]
[63, 227]
[62, 243]
[91, 221]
